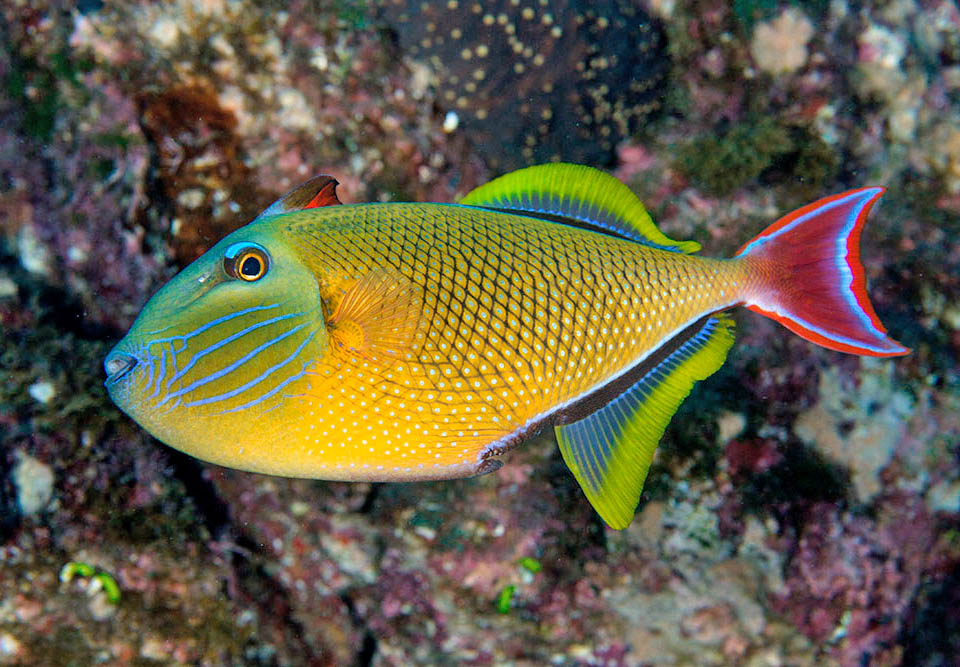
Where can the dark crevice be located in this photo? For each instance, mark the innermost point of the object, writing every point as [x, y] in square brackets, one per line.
[801, 479]
[367, 650]
[371, 499]
[592, 538]
[269, 597]
[9, 505]
[211, 509]
[931, 637]
[368, 645]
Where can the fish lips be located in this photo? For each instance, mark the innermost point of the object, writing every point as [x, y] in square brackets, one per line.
[118, 366]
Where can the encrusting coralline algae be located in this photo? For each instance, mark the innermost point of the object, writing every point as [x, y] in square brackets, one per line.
[782, 559]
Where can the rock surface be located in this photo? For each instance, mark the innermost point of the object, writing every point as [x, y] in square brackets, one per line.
[803, 505]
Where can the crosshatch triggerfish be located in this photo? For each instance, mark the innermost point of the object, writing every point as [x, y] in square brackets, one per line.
[406, 341]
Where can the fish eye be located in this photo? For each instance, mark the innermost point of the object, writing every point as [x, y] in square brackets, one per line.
[246, 261]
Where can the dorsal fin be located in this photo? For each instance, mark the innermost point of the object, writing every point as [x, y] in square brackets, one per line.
[321, 190]
[577, 195]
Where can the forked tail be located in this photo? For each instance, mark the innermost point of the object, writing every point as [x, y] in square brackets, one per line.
[811, 279]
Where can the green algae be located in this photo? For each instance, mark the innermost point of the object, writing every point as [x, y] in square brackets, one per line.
[720, 164]
[530, 564]
[352, 14]
[110, 587]
[105, 580]
[505, 599]
[205, 624]
[71, 363]
[813, 166]
[749, 12]
[34, 86]
[76, 569]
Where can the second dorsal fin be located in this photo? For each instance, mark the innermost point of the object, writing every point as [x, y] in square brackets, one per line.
[321, 190]
[577, 195]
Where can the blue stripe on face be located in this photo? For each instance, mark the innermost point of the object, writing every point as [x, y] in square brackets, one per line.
[260, 378]
[147, 356]
[147, 362]
[209, 325]
[224, 341]
[252, 354]
[163, 371]
[272, 392]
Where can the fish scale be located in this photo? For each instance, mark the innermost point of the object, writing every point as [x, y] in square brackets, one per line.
[483, 367]
[396, 342]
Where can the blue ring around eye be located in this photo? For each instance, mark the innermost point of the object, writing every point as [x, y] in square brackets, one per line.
[237, 248]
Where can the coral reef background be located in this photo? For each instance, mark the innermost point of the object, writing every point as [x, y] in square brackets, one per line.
[805, 505]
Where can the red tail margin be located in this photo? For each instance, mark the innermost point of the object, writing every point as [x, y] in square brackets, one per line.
[812, 280]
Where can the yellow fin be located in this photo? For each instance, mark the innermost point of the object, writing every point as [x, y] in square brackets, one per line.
[610, 451]
[377, 316]
[577, 195]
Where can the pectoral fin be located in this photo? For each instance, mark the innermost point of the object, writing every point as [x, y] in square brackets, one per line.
[610, 451]
[377, 316]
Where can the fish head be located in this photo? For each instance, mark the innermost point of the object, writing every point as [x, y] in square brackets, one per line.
[222, 345]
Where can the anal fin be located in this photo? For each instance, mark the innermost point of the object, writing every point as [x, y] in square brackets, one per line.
[377, 316]
[610, 451]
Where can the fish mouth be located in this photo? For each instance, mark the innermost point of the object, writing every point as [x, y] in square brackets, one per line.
[118, 365]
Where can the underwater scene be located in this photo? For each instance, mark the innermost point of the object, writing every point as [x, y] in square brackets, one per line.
[519, 332]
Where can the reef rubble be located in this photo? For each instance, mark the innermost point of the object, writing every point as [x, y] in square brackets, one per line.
[803, 508]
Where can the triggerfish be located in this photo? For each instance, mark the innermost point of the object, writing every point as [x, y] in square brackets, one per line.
[409, 341]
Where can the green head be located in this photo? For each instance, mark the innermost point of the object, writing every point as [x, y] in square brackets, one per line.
[220, 345]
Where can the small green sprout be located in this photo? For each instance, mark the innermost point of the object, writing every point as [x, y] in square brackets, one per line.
[530, 564]
[110, 587]
[101, 580]
[505, 598]
[75, 569]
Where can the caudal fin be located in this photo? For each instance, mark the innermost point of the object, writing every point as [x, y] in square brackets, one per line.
[811, 278]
